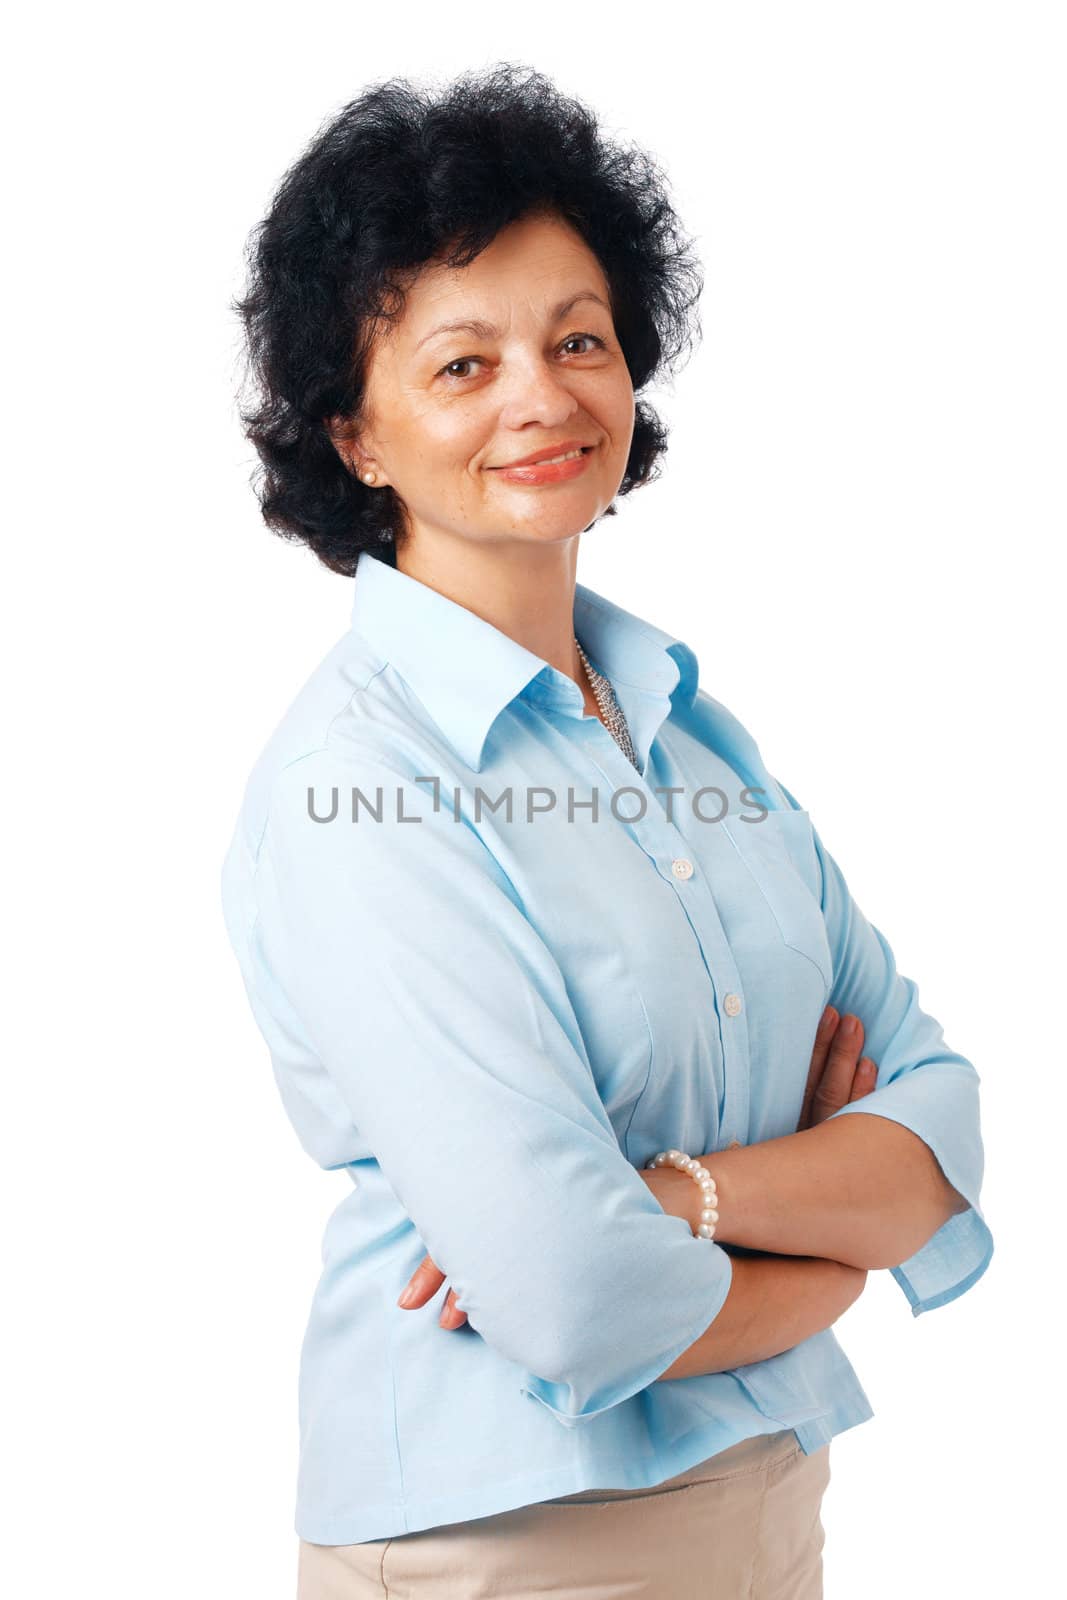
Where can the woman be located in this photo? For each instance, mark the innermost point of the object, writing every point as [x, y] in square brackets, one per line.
[521, 911]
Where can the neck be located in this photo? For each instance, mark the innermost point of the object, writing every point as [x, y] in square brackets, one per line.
[524, 588]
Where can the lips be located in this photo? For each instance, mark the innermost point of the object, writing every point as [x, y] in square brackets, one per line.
[549, 453]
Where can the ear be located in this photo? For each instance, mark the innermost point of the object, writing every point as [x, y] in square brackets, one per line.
[345, 440]
[339, 432]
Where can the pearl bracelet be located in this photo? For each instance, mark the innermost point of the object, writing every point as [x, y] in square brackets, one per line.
[709, 1216]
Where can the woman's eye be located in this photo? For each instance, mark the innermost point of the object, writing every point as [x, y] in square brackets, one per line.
[463, 361]
[592, 336]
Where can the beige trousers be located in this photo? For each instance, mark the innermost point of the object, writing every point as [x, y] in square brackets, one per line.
[742, 1525]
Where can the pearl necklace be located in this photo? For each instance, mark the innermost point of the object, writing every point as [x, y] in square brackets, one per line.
[610, 709]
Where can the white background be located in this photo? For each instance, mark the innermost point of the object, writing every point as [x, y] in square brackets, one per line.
[858, 530]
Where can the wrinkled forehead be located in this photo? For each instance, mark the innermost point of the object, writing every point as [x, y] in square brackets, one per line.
[534, 269]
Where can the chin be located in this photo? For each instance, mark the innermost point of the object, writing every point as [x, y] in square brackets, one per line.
[554, 508]
[550, 530]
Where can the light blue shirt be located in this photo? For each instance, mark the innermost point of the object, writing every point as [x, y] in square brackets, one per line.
[491, 1005]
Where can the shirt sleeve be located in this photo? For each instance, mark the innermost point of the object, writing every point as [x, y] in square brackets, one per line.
[922, 1084]
[443, 1021]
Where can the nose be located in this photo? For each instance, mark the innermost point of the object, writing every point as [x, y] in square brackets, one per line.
[535, 391]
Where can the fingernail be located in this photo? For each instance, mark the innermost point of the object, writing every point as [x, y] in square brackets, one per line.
[408, 1297]
[851, 1027]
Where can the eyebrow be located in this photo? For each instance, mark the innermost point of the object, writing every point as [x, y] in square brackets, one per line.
[486, 330]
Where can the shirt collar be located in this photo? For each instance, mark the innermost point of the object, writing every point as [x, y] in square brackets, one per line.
[465, 671]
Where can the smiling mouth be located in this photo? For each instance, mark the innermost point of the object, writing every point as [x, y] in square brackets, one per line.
[570, 455]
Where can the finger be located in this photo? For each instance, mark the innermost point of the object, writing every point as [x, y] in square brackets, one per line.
[451, 1316]
[422, 1285]
[865, 1079]
[835, 1085]
[823, 1035]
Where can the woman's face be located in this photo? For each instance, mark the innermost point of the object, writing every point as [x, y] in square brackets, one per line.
[447, 409]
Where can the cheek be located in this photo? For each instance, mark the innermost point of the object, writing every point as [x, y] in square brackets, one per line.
[428, 425]
[460, 439]
[617, 414]
[443, 448]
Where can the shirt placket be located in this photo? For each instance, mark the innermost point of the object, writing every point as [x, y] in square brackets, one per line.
[667, 848]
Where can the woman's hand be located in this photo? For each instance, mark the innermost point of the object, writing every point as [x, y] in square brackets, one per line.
[838, 1073]
[424, 1284]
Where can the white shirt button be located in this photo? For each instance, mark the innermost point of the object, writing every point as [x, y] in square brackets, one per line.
[732, 1005]
[682, 868]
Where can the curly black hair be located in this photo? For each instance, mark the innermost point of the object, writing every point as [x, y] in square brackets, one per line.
[402, 175]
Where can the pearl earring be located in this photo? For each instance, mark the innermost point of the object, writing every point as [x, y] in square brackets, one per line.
[369, 477]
